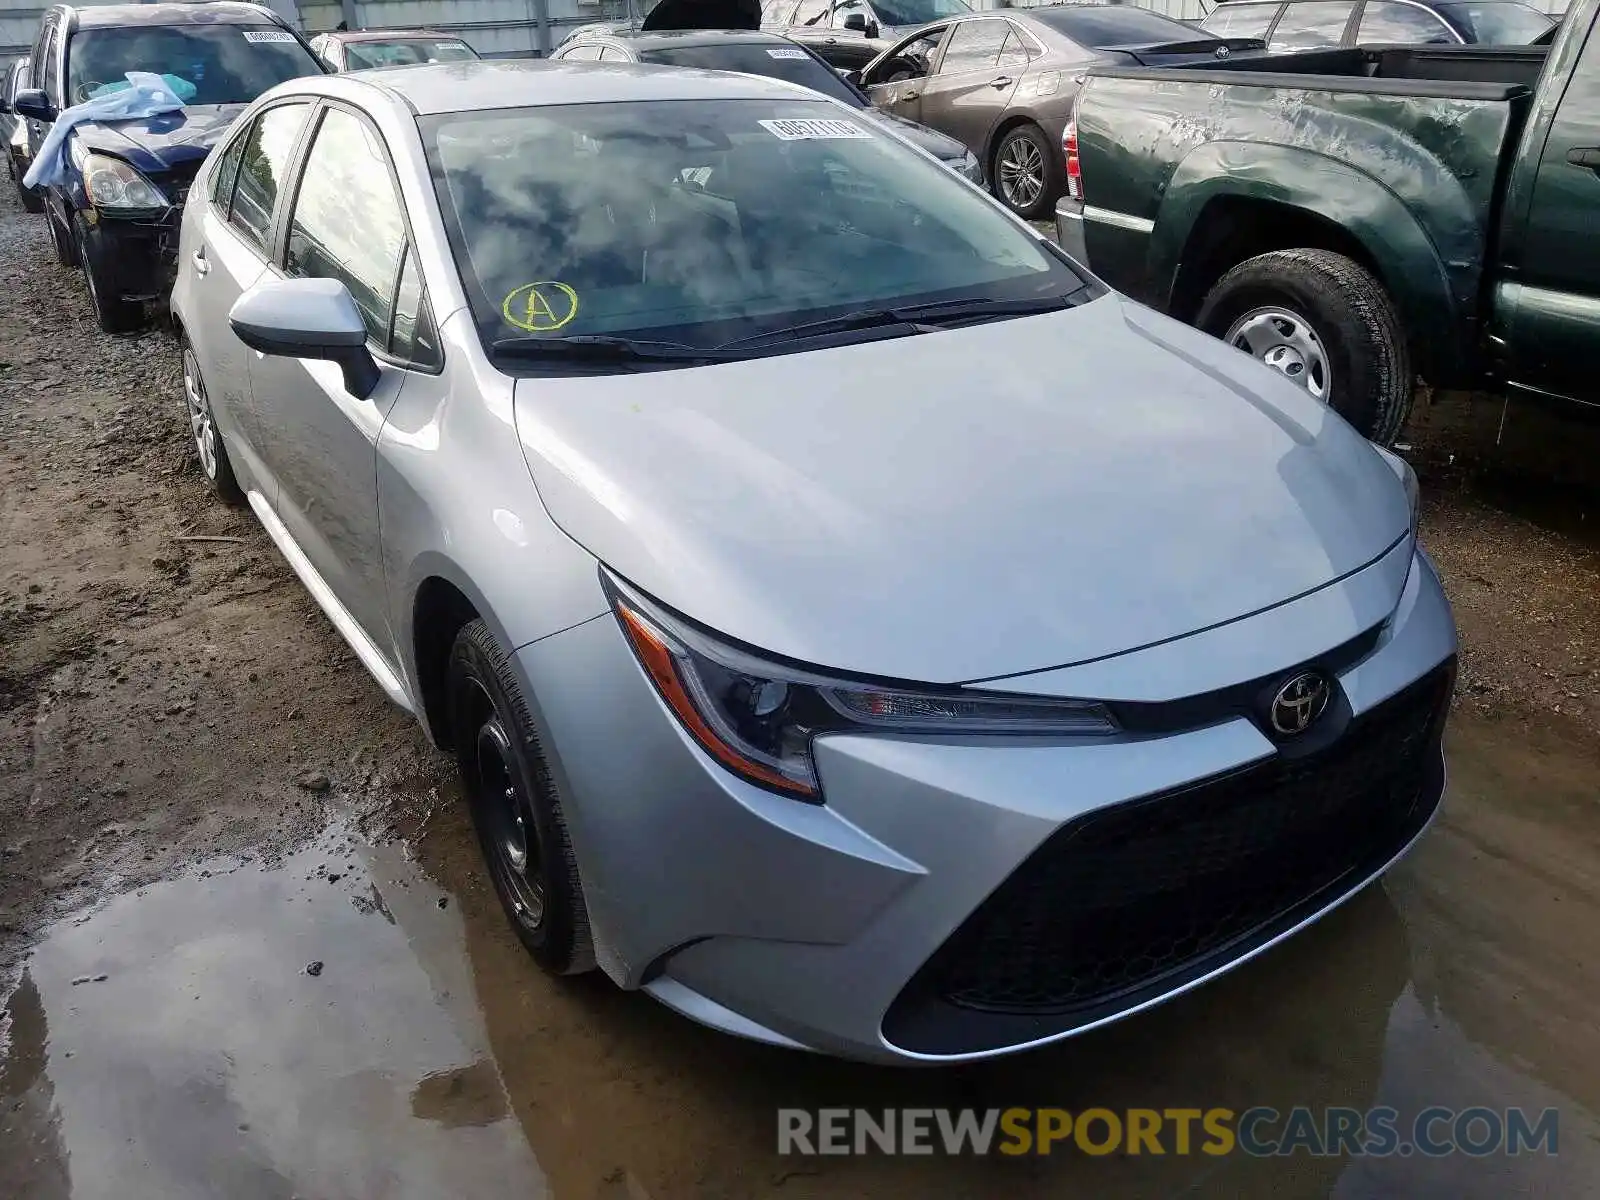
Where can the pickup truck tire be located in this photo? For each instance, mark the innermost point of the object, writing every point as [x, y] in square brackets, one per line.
[1348, 318]
[1024, 173]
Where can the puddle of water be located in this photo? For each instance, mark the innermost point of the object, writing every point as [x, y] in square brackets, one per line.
[173, 1043]
[430, 1058]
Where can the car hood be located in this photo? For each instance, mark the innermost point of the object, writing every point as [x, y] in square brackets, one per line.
[159, 143]
[931, 140]
[968, 503]
[704, 14]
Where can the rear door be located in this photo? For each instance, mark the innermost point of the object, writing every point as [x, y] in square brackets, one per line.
[230, 255]
[1554, 304]
[971, 88]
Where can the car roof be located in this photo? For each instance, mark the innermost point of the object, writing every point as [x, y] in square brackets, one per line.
[387, 35]
[696, 37]
[485, 85]
[172, 14]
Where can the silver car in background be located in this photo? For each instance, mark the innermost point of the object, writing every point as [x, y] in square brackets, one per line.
[855, 627]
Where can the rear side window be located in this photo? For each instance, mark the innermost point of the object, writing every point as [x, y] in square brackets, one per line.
[1100, 25]
[1312, 25]
[1240, 20]
[227, 171]
[1385, 21]
[1016, 52]
[261, 170]
[776, 12]
[348, 224]
[974, 46]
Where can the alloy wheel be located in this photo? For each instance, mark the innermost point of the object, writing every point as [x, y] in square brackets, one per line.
[1021, 172]
[1287, 343]
[201, 423]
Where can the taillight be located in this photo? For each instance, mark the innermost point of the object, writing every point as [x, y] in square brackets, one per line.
[1069, 149]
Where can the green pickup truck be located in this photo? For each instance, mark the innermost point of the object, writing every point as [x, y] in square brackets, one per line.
[1357, 218]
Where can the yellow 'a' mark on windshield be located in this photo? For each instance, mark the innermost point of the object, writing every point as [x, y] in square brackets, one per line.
[540, 307]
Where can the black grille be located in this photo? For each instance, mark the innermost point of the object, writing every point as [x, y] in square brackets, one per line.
[1121, 901]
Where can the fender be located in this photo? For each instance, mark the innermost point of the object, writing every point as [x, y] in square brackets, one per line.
[1436, 293]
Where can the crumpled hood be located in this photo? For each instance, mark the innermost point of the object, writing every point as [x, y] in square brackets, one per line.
[159, 143]
[935, 143]
[968, 503]
[704, 14]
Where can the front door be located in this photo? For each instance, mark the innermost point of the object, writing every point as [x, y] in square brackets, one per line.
[972, 87]
[320, 441]
[895, 84]
[1554, 333]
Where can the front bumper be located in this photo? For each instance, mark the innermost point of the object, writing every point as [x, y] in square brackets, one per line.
[886, 925]
[136, 256]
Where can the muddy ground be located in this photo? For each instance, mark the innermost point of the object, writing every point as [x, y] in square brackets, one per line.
[201, 792]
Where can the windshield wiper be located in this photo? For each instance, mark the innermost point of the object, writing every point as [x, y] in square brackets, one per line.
[866, 318]
[596, 347]
[911, 318]
[977, 308]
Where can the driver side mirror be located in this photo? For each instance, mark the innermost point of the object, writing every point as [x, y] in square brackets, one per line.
[31, 102]
[308, 318]
[859, 23]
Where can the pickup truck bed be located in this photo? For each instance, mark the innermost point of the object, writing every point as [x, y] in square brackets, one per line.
[1415, 166]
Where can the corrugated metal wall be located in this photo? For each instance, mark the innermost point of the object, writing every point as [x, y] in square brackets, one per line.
[490, 26]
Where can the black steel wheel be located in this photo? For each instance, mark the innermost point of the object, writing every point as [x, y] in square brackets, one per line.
[519, 818]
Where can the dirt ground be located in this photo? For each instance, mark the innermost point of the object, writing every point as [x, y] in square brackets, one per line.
[170, 697]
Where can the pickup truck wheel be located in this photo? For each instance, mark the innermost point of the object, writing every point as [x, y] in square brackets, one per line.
[1325, 323]
[521, 825]
[1024, 173]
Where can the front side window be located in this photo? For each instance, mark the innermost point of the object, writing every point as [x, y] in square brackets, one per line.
[1385, 21]
[974, 46]
[1311, 24]
[702, 222]
[347, 222]
[776, 12]
[1240, 20]
[408, 52]
[261, 170]
[810, 12]
[211, 64]
[227, 170]
[52, 70]
[412, 338]
[847, 8]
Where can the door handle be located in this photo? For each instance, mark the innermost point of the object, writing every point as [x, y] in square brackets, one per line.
[909, 95]
[201, 265]
[1585, 156]
[832, 41]
[1004, 81]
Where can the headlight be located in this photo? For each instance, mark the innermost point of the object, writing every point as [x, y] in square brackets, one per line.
[1408, 480]
[112, 183]
[758, 718]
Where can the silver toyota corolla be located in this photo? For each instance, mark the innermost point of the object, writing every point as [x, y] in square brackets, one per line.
[856, 627]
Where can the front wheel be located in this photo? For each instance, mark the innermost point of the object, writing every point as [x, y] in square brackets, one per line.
[114, 314]
[521, 824]
[1024, 173]
[1327, 325]
[208, 446]
[60, 239]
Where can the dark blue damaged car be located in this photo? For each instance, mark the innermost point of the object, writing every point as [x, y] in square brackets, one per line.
[114, 210]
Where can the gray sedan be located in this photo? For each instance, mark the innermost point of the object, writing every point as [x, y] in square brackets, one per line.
[1003, 84]
[855, 627]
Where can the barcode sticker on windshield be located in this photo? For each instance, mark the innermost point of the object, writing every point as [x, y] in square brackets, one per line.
[267, 35]
[799, 129]
[786, 52]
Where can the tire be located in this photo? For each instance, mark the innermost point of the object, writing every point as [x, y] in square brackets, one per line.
[1366, 375]
[210, 451]
[111, 311]
[60, 240]
[512, 795]
[31, 200]
[1026, 146]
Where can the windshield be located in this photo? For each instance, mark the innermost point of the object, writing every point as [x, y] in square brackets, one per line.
[702, 222]
[408, 52]
[221, 64]
[1099, 25]
[789, 63]
[918, 12]
[1498, 22]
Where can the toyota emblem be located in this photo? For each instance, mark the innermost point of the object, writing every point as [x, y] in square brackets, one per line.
[1299, 703]
[1222, 52]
